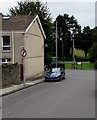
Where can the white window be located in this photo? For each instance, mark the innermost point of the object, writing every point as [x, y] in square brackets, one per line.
[6, 43]
[4, 60]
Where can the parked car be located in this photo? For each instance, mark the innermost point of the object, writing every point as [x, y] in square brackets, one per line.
[53, 65]
[55, 74]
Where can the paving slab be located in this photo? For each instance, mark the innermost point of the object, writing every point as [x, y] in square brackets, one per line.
[14, 88]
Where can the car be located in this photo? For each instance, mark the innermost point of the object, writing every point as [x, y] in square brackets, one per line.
[55, 74]
[53, 65]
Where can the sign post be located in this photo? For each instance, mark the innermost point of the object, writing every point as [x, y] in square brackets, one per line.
[23, 54]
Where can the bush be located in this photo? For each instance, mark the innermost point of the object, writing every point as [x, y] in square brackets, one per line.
[48, 59]
[95, 65]
[93, 52]
[82, 59]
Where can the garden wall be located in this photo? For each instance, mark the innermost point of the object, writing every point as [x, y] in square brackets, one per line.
[10, 74]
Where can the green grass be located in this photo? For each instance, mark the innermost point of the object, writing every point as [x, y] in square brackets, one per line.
[88, 66]
[68, 65]
[85, 66]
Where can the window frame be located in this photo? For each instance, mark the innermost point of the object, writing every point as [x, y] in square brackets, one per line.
[6, 60]
[6, 46]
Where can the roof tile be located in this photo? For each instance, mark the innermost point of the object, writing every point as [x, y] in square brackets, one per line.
[17, 22]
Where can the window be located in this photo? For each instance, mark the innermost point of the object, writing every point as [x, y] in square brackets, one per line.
[6, 43]
[6, 60]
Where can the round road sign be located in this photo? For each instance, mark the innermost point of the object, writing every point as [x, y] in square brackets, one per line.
[23, 52]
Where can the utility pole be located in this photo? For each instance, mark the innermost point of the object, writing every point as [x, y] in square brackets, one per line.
[73, 52]
[62, 45]
[62, 51]
[56, 45]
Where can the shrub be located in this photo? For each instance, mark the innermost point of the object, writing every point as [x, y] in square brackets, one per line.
[95, 65]
[93, 52]
[48, 59]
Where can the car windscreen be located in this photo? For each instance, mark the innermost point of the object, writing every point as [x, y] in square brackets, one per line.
[56, 70]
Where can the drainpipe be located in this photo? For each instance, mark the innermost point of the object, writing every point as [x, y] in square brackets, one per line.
[12, 47]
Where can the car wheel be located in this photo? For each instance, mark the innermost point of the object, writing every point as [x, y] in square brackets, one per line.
[45, 79]
[64, 76]
[60, 78]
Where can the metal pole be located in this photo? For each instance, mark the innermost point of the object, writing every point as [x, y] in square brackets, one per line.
[62, 51]
[56, 45]
[13, 47]
[24, 71]
[73, 53]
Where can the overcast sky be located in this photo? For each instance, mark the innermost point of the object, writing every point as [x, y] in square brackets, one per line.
[83, 10]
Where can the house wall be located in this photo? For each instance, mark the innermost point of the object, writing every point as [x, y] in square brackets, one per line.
[34, 44]
[18, 44]
[18, 39]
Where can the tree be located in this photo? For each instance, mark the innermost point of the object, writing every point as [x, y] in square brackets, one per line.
[67, 28]
[29, 8]
[93, 49]
[84, 40]
[94, 36]
[87, 41]
[93, 52]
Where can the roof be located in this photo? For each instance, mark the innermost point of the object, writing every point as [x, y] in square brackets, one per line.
[17, 22]
[20, 23]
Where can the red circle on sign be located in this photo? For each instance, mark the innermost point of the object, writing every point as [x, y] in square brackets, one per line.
[23, 52]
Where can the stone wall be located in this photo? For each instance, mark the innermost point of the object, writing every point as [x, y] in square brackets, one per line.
[10, 74]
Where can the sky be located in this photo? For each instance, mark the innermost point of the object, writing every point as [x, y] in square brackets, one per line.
[82, 10]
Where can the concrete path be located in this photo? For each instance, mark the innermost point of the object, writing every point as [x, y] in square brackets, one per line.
[15, 88]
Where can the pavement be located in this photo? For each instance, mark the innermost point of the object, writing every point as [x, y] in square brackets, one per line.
[15, 88]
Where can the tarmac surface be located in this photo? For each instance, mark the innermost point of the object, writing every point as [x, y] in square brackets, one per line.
[74, 97]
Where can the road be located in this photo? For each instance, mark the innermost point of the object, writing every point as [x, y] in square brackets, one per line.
[73, 97]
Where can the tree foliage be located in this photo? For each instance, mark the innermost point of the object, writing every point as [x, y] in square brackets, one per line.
[94, 34]
[67, 28]
[93, 49]
[93, 52]
[84, 40]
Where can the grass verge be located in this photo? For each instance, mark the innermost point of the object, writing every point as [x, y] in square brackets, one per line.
[83, 66]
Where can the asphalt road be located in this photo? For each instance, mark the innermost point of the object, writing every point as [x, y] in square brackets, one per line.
[73, 97]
